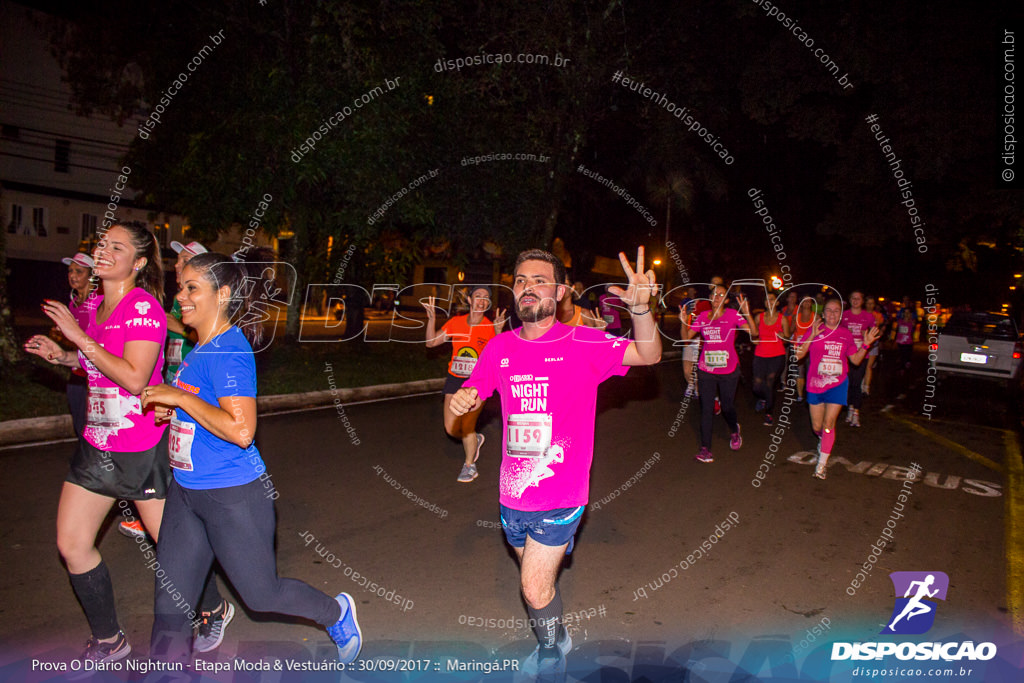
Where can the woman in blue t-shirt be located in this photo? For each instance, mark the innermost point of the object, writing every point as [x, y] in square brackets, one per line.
[220, 502]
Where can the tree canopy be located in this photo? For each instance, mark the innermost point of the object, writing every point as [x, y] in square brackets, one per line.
[434, 89]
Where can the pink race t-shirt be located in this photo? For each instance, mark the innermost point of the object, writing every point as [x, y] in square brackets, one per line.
[114, 419]
[858, 324]
[548, 389]
[81, 311]
[905, 330]
[827, 364]
[718, 352]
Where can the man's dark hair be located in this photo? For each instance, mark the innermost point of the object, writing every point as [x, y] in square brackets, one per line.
[541, 255]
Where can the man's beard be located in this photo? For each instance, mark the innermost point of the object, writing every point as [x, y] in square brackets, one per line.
[545, 308]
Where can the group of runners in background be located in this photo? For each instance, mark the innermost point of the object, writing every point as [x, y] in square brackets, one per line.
[840, 352]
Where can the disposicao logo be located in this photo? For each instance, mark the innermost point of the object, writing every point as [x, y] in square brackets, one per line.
[914, 613]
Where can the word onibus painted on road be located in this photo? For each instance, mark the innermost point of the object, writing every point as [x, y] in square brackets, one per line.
[938, 480]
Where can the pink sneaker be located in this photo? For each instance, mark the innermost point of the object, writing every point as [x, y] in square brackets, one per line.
[735, 441]
[704, 455]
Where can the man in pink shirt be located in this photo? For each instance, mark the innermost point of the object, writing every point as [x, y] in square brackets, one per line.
[547, 374]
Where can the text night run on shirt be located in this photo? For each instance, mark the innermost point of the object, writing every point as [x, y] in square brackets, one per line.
[532, 396]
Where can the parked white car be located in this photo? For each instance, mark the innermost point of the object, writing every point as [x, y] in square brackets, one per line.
[981, 344]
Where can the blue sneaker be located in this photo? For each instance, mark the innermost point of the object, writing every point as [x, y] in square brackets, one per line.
[345, 633]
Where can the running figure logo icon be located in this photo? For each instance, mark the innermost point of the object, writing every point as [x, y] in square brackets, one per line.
[914, 612]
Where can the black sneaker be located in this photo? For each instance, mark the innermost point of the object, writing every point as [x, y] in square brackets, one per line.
[101, 653]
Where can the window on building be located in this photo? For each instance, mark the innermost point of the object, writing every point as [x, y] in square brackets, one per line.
[61, 154]
[15, 224]
[89, 221]
[39, 221]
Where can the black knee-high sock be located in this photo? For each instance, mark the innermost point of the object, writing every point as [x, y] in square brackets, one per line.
[547, 621]
[96, 594]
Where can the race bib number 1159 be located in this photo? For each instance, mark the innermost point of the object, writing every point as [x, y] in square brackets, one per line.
[529, 434]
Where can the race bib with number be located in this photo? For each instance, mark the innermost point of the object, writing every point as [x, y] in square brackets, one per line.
[179, 444]
[529, 434]
[830, 367]
[174, 348]
[716, 359]
[462, 366]
[104, 408]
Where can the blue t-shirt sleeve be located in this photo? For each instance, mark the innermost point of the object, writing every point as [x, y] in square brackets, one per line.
[234, 374]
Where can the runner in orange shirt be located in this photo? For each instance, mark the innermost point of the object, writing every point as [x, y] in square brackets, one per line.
[468, 335]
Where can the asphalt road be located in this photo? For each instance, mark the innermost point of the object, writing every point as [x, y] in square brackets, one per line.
[388, 508]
